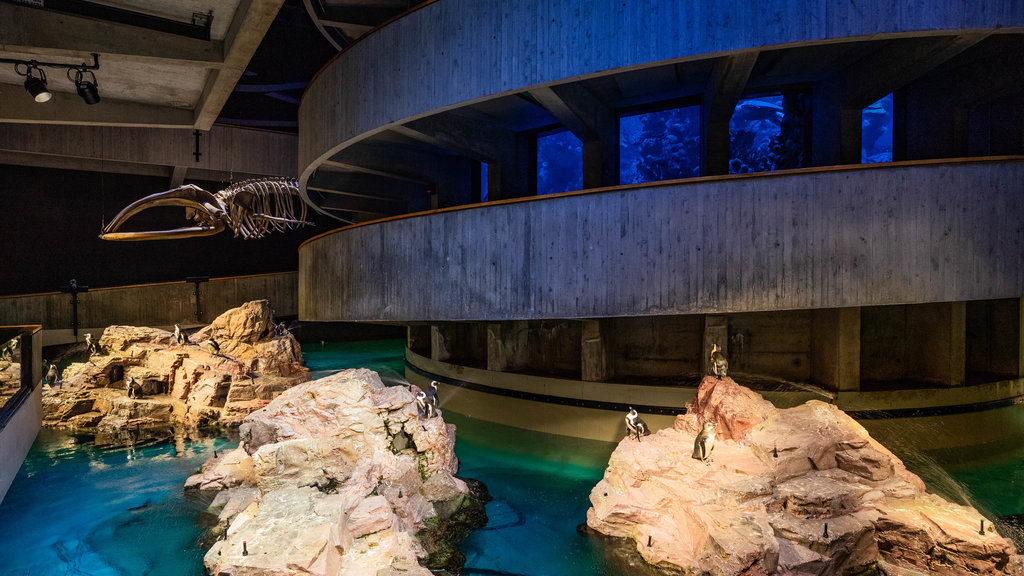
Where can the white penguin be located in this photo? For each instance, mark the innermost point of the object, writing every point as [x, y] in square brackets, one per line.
[52, 375]
[635, 426]
[719, 365]
[704, 443]
[179, 336]
[90, 345]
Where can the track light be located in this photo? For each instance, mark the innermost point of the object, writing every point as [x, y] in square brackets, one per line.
[86, 87]
[36, 84]
[35, 78]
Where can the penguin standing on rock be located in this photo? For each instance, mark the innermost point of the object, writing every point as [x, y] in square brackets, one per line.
[719, 365]
[52, 375]
[704, 443]
[432, 394]
[134, 389]
[179, 336]
[635, 426]
[91, 346]
[425, 405]
[213, 346]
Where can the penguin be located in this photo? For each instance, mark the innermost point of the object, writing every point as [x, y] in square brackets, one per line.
[425, 405]
[704, 443]
[635, 426]
[134, 390]
[719, 365]
[90, 345]
[52, 375]
[212, 345]
[179, 336]
[432, 394]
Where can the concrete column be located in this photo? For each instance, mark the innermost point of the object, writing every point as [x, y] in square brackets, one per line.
[596, 352]
[1020, 338]
[716, 331]
[936, 336]
[835, 348]
[495, 348]
[440, 344]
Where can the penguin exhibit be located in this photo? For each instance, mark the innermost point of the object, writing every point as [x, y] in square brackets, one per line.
[631, 288]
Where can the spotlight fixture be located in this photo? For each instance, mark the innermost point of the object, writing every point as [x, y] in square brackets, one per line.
[85, 82]
[35, 84]
[35, 78]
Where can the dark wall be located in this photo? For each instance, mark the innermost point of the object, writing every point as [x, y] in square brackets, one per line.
[52, 220]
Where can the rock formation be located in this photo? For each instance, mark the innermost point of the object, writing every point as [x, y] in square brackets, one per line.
[189, 384]
[339, 477]
[800, 491]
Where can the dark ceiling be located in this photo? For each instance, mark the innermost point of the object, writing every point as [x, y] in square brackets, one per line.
[268, 94]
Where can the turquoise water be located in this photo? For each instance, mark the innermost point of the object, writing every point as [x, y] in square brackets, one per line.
[81, 510]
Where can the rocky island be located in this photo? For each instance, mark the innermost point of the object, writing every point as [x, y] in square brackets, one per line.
[341, 476]
[799, 491]
[139, 379]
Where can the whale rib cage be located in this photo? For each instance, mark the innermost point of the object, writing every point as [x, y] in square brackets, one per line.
[250, 209]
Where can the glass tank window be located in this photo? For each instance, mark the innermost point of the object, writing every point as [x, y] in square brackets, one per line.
[559, 162]
[662, 145]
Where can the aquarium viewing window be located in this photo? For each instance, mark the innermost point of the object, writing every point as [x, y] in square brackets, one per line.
[659, 145]
[876, 131]
[769, 133]
[559, 162]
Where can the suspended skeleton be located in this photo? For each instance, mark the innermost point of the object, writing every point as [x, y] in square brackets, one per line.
[250, 208]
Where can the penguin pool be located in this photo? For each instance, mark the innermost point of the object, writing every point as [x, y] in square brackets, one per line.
[76, 508]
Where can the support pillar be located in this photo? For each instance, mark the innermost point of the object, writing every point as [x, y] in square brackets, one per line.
[936, 336]
[596, 351]
[1020, 338]
[835, 348]
[495, 348]
[440, 344]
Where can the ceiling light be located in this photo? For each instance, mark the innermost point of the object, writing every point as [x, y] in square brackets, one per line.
[36, 85]
[86, 85]
[35, 78]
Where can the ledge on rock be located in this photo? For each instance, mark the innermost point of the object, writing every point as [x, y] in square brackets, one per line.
[340, 476]
[799, 491]
[190, 384]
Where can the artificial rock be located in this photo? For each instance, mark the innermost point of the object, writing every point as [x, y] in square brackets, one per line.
[186, 384]
[800, 491]
[337, 477]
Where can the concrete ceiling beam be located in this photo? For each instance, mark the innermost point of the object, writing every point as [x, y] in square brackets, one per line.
[575, 107]
[469, 137]
[361, 185]
[885, 70]
[251, 21]
[234, 152]
[65, 108]
[52, 35]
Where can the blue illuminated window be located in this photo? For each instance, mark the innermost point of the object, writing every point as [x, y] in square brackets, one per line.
[662, 145]
[768, 133]
[483, 181]
[559, 162]
[876, 132]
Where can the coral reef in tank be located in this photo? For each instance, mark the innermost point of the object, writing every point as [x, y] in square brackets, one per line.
[340, 476]
[147, 378]
[799, 491]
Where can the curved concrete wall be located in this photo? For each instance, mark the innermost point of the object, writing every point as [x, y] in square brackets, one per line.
[457, 51]
[819, 238]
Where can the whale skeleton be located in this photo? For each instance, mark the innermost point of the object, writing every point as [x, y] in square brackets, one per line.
[250, 209]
